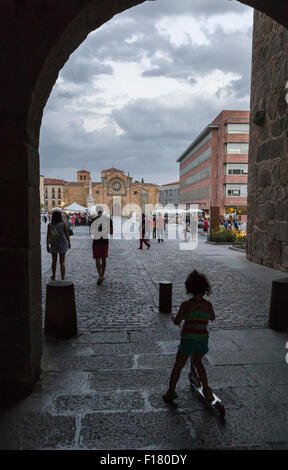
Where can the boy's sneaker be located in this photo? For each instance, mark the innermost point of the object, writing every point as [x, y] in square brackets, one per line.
[169, 396]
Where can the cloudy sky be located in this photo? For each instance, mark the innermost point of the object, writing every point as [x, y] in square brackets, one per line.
[140, 88]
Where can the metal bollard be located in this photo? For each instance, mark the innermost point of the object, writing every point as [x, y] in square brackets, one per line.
[165, 297]
[60, 312]
[278, 316]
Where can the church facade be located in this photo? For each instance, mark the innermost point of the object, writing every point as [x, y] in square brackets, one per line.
[115, 186]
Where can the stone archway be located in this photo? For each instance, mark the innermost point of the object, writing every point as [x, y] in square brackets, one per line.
[37, 39]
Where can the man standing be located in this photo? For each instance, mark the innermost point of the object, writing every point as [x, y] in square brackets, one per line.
[101, 227]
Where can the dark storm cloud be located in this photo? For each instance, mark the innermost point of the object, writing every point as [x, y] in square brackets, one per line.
[228, 52]
[155, 132]
[82, 69]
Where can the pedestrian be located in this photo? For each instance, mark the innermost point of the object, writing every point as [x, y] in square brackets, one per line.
[225, 224]
[58, 242]
[73, 220]
[143, 238]
[160, 224]
[196, 313]
[154, 227]
[149, 227]
[205, 225]
[100, 228]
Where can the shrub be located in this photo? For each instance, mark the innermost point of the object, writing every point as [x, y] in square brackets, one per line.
[225, 236]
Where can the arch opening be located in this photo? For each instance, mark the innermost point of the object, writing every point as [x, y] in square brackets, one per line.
[53, 33]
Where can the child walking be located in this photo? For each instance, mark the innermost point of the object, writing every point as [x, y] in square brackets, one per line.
[196, 313]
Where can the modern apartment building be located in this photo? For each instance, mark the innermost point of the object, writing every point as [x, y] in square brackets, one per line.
[214, 168]
[169, 194]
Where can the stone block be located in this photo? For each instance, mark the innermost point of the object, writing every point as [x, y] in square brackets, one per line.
[280, 126]
[166, 431]
[277, 147]
[276, 175]
[264, 177]
[281, 231]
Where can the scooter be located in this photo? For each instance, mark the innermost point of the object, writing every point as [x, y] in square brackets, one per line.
[215, 404]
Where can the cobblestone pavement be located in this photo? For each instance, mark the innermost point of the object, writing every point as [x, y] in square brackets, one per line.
[102, 390]
[129, 296]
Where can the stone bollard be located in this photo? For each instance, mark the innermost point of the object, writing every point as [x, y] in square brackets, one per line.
[165, 297]
[278, 317]
[60, 312]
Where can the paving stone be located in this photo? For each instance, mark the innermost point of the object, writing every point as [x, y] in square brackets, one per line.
[112, 401]
[217, 344]
[36, 431]
[125, 348]
[68, 349]
[128, 379]
[262, 396]
[90, 363]
[104, 337]
[142, 430]
[244, 357]
[266, 374]
[243, 427]
[155, 361]
[54, 382]
[169, 346]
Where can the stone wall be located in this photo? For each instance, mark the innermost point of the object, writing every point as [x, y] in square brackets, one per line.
[268, 157]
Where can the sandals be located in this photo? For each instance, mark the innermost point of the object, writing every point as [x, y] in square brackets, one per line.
[169, 396]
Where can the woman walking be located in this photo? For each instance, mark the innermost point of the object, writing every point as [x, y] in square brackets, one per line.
[58, 242]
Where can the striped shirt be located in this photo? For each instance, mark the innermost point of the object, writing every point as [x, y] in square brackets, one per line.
[195, 326]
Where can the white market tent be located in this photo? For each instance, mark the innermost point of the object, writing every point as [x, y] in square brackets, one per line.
[75, 208]
[176, 211]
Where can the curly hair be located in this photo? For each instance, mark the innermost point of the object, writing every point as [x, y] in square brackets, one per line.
[197, 284]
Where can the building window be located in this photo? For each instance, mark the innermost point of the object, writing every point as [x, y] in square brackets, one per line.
[240, 128]
[239, 148]
[237, 169]
[236, 190]
[135, 192]
[97, 192]
[233, 192]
